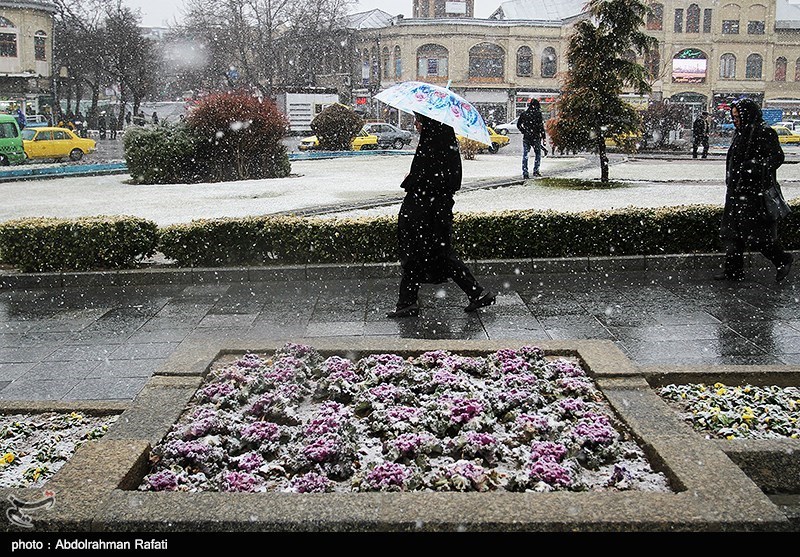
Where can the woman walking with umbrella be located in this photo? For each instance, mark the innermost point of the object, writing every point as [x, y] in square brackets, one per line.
[425, 221]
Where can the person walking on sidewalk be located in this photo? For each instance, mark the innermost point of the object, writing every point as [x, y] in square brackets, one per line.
[753, 159]
[700, 131]
[531, 125]
[425, 222]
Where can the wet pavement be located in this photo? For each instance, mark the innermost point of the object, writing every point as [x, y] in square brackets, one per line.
[103, 342]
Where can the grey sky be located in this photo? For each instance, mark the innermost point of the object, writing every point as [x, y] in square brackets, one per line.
[161, 13]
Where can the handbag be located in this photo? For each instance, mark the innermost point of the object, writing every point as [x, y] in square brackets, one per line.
[775, 206]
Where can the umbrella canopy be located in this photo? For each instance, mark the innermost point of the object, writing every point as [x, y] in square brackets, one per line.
[440, 104]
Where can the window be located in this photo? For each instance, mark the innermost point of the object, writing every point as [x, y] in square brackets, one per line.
[797, 70]
[549, 65]
[707, 20]
[486, 62]
[755, 27]
[693, 18]
[752, 69]
[524, 62]
[7, 130]
[8, 45]
[727, 66]
[679, 20]
[387, 62]
[655, 19]
[652, 64]
[432, 61]
[730, 27]
[60, 135]
[398, 63]
[44, 136]
[39, 45]
[780, 69]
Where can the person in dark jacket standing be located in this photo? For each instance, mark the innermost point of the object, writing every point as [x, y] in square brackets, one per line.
[425, 222]
[531, 125]
[753, 158]
[700, 131]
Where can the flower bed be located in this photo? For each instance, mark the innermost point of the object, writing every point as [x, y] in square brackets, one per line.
[34, 446]
[512, 420]
[730, 412]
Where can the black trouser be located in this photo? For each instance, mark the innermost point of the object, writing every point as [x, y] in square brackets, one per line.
[455, 269]
[697, 143]
[769, 246]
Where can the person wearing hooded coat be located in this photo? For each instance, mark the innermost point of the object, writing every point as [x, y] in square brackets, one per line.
[531, 125]
[425, 222]
[752, 161]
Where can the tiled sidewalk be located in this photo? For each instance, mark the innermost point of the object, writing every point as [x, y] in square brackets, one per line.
[101, 336]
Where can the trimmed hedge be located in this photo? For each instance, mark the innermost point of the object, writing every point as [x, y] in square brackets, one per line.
[83, 244]
[49, 244]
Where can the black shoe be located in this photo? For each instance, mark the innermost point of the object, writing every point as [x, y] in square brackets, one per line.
[783, 270]
[411, 310]
[731, 278]
[486, 300]
[525, 177]
[537, 175]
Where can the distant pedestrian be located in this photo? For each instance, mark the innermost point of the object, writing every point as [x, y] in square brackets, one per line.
[21, 120]
[425, 222]
[753, 159]
[128, 118]
[531, 124]
[155, 118]
[112, 124]
[700, 130]
[102, 124]
[139, 119]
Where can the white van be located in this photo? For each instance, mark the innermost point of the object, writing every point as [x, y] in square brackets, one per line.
[790, 124]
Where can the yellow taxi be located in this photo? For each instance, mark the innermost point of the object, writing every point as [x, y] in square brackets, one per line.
[787, 136]
[498, 141]
[362, 142]
[55, 143]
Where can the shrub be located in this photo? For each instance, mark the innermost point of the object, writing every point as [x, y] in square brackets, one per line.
[166, 154]
[336, 127]
[84, 244]
[469, 148]
[240, 136]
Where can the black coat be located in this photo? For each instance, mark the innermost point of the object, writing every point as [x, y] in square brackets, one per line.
[700, 129]
[752, 161]
[531, 125]
[425, 221]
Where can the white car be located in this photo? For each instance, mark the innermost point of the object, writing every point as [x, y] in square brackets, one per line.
[508, 127]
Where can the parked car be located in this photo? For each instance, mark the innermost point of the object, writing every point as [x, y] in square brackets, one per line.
[12, 150]
[389, 135]
[787, 136]
[508, 127]
[498, 141]
[362, 142]
[55, 143]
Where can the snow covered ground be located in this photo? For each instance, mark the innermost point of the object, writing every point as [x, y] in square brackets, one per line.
[314, 183]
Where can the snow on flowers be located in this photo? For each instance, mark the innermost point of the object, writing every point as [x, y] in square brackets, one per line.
[293, 421]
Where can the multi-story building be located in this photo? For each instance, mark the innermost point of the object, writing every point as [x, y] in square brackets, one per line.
[26, 55]
[710, 51]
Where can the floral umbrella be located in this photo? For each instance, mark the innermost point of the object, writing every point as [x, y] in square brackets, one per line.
[440, 104]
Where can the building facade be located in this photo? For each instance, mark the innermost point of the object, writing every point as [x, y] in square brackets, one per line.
[26, 55]
[709, 53]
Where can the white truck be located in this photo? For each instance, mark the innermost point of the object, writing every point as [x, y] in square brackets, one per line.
[301, 106]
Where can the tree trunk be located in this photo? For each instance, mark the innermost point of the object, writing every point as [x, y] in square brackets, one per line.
[601, 150]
